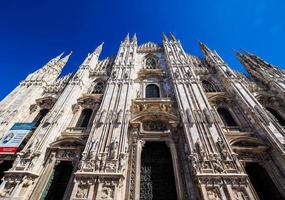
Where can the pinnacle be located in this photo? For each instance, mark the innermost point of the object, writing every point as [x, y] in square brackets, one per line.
[172, 37]
[164, 37]
[127, 38]
[58, 57]
[65, 59]
[134, 39]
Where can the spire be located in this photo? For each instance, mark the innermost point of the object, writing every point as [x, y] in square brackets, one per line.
[238, 54]
[57, 58]
[98, 50]
[204, 48]
[164, 38]
[134, 39]
[66, 58]
[92, 58]
[252, 62]
[127, 39]
[172, 37]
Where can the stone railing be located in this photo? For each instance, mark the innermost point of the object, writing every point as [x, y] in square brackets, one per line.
[154, 105]
[143, 73]
[79, 132]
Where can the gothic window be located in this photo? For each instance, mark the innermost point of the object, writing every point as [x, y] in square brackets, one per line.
[208, 87]
[150, 63]
[84, 118]
[277, 116]
[226, 116]
[40, 117]
[152, 91]
[99, 88]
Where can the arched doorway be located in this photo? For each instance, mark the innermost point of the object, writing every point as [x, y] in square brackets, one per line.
[262, 183]
[58, 181]
[157, 176]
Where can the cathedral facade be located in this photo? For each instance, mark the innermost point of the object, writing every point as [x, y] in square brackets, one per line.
[152, 122]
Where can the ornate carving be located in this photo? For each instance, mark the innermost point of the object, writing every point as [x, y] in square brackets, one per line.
[114, 148]
[8, 189]
[214, 194]
[108, 192]
[82, 191]
[239, 194]
[122, 162]
[146, 183]
[154, 126]
[149, 47]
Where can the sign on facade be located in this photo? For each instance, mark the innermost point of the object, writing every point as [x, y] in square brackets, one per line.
[11, 141]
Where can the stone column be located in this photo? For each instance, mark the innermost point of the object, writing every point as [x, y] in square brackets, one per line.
[140, 144]
[41, 184]
[178, 180]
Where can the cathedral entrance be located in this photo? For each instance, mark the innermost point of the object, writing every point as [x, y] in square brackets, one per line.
[59, 181]
[157, 176]
[262, 183]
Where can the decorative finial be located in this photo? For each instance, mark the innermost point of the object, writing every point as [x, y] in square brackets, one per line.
[172, 37]
[164, 38]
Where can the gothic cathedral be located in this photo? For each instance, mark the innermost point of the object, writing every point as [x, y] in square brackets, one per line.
[151, 123]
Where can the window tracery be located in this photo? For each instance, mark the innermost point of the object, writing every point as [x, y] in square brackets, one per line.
[150, 63]
[84, 118]
[152, 91]
[209, 87]
[226, 117]
[154, 126]
[99, 88]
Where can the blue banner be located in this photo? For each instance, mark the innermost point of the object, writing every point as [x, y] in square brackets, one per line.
[23, 126]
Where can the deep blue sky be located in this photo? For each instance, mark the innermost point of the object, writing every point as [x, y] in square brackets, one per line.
[32, 32]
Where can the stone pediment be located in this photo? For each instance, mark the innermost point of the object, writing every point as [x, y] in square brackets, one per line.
[149, 47]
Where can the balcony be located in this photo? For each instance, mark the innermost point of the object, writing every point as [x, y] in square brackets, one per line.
[77, 132]
[152, 105]
[151, 113]
[144, 73]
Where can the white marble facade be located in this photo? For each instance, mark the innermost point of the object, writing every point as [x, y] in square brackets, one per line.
[216, 123]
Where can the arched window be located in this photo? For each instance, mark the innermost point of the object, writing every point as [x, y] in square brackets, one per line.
[226, 117]
[84, 118]
[277, 116]
[152, 91]
[208, 87]
[40, 116]
[150, 63]
[99, 88]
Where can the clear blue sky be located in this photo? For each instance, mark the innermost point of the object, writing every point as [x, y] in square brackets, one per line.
[32, 32]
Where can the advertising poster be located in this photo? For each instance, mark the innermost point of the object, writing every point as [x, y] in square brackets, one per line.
[10, 142]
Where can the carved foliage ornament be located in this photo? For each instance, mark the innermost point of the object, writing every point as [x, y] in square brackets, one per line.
[154, 126]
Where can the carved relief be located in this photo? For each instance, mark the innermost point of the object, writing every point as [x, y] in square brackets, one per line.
[8, 189]
[214, 194]
[114, 148]
[108, 192]
[239, 194]
[154, 126]
[82, 191]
